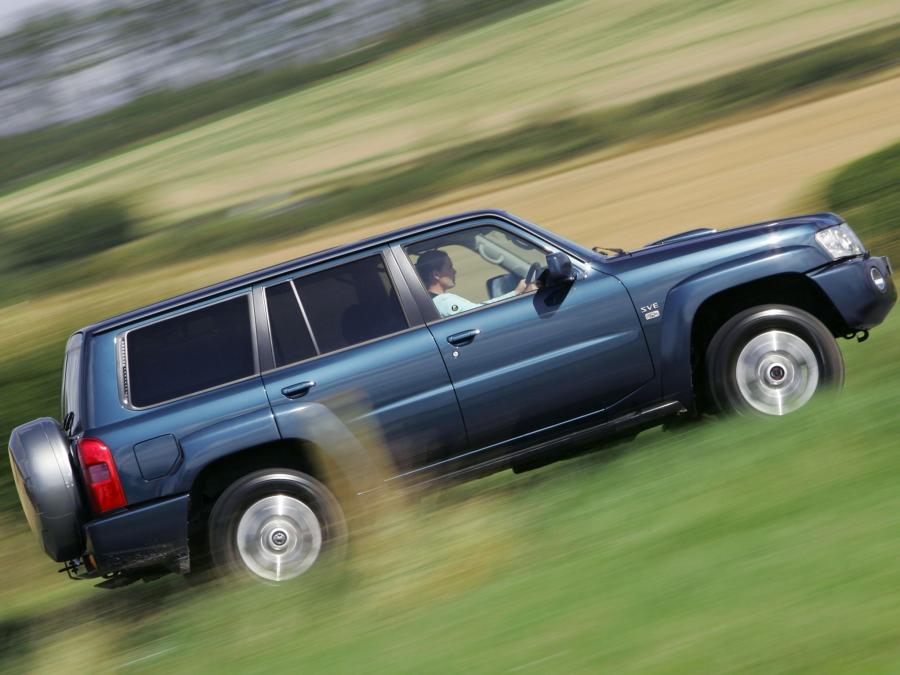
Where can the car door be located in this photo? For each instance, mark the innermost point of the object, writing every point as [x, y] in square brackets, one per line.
[340, 340]
[524, 362]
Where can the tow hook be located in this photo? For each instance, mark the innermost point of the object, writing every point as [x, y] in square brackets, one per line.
[71, 568]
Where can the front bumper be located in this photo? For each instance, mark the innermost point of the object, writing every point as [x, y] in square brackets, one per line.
[148, 536]
[850, 287]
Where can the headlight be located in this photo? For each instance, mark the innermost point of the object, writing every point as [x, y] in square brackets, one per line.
[840, 242]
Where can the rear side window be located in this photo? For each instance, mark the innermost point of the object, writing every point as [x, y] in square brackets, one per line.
[342, 306]
[190, 352]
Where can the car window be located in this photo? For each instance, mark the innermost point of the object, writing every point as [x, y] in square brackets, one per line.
[469, 268]
[190, 352]
[341, 306]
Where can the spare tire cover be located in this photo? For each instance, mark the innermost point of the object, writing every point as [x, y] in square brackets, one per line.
[46, 483]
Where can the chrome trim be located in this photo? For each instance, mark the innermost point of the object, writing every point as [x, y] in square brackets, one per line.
[251, 303]
[122, 368]
[306, 322]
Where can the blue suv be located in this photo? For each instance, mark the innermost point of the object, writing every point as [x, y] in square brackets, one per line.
[244, 426]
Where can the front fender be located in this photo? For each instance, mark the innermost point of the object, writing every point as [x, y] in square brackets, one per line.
[684, 299]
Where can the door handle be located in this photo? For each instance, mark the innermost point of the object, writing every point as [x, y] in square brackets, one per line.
[464, 338]
[298, 390]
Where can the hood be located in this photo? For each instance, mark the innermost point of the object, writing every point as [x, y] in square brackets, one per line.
[724, 257]
[773, 232]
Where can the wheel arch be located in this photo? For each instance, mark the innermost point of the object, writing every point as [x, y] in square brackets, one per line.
[291, 453]
[791, 289]
[716, 294]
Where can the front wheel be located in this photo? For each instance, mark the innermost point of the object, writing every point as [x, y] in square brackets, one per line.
[771, 360]
[273, 525]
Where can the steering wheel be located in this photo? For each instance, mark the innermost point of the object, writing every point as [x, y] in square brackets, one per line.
[533, 273]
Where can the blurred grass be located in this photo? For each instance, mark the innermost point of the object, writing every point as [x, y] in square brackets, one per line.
[741, 545]
[81, 231]
[867, 195]
[551, 62]
[29, 388]
[536, 144]
[46, 149]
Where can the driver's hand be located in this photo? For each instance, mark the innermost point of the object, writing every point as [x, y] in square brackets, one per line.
[522, 287]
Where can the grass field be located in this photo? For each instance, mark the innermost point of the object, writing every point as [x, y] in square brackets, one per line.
[29, 248]
[569, 56]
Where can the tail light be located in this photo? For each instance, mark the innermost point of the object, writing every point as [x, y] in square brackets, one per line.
[100, 476]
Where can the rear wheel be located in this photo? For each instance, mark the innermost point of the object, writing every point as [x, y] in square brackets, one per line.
[274, 525]
[771, 360]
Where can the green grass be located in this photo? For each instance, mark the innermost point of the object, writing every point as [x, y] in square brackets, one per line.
[29, 388]
[551, 62]
[766, 546]
[62, 145]
[80, 232]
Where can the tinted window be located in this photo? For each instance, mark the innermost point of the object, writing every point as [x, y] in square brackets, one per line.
[290, 336]
[190, 352]
[350, 304]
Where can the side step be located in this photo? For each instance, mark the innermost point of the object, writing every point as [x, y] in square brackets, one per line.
[645, 417]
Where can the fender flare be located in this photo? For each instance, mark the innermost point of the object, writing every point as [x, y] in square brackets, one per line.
[686, 297]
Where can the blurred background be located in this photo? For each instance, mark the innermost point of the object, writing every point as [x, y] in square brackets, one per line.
[153, 146]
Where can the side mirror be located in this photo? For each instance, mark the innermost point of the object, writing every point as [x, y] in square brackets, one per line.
[559, 269]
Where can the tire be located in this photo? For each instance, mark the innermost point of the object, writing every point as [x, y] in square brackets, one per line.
[771, 360]
[273, 525]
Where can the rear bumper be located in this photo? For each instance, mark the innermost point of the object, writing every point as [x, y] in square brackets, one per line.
[850, 287]
[148, 536]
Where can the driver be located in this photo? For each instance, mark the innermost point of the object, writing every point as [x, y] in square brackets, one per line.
[437, 273]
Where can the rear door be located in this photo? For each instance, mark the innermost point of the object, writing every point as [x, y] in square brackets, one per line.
[341, 337]
[522, 363]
